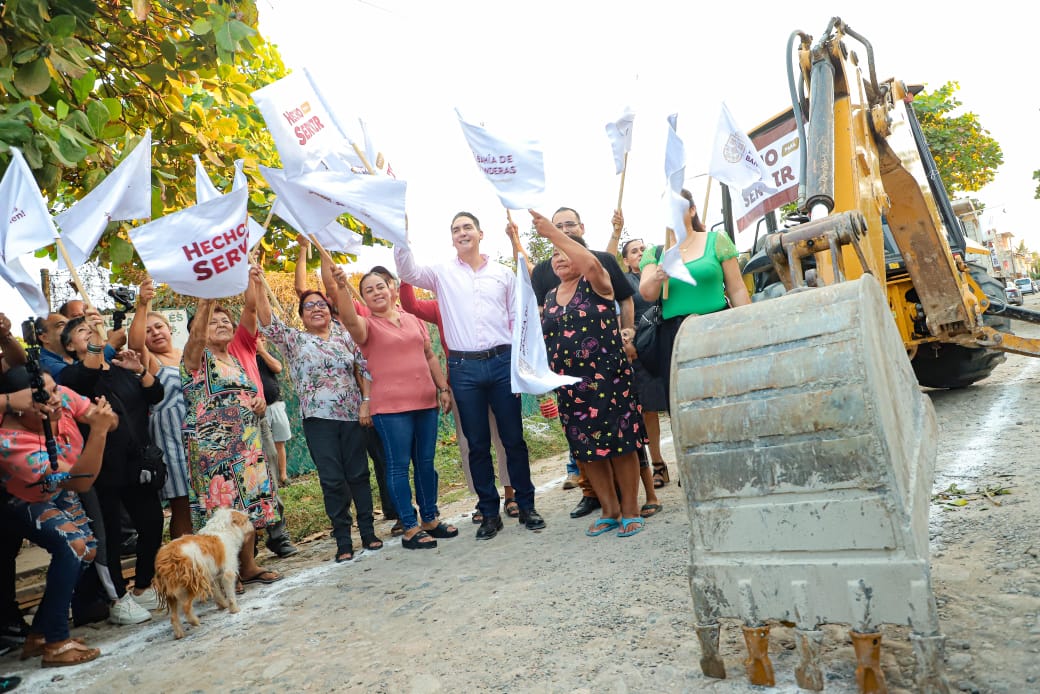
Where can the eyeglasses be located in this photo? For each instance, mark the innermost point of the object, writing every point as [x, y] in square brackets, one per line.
[308, 305]
[567, 225]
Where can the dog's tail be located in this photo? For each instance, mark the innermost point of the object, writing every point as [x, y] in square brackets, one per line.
[175, 568]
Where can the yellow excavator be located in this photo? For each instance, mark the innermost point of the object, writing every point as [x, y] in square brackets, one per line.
[865, 157]
[804, 443]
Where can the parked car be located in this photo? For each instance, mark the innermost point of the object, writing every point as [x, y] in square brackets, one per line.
[1025, 285]
[1014, 294]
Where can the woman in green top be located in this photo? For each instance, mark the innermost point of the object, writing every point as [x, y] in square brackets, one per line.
[711, 259]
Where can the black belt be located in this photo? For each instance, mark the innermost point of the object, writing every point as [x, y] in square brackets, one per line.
[482, 354]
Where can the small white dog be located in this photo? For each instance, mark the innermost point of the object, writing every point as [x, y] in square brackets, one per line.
[199, 566]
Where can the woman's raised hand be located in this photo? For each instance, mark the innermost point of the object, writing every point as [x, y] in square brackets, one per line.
[145, 292]
[542, 224]
[101, 415]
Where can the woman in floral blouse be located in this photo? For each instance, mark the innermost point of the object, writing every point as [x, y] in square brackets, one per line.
[326, 368]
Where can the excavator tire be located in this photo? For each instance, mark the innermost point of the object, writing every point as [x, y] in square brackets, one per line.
[955, 366]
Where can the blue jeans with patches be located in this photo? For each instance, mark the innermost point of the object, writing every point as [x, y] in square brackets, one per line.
[60, 527]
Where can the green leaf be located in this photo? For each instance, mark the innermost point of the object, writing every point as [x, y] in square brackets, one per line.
[25, 55]
[82, 86]
[61, 110]
[169, 51]
[230, 33]
[61, 26]
[79, 121]
[59, 152]
[14, 131]
[201, 26]
[98, 116]
[115, 108]
[32, 78]
[120, 251]
[3, 47]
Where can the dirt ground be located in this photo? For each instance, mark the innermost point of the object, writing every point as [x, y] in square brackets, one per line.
[556, 611]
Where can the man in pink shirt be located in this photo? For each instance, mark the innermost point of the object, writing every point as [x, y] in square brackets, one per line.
[476, 298]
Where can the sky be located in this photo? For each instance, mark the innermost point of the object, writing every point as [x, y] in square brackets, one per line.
[559, 71]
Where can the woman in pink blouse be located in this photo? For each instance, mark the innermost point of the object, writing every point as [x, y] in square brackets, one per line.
[407, 386]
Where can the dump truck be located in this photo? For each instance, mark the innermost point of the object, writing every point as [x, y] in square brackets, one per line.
[804, 443]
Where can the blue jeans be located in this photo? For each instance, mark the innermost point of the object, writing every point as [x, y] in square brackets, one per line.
[61, 528]
[410, 436]
[477, 384]
[572, 466]
[338, 451]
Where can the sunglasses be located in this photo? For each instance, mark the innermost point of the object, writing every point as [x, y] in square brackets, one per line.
[308, 305]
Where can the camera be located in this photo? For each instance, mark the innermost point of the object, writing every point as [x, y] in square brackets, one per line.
[31, 329]
[125, 297]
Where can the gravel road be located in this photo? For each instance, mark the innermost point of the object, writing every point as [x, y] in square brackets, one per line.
[556, 611]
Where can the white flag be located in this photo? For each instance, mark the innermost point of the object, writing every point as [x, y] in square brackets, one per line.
[206, 191]
[26, 223]
[734, 159]
[675, 176]
[620, 135]
[316, 199]
[305, 131]
[15, 274]
[780, 150]
[200, 251]
[204, 188]
[515, 168]
[124, 194]
[333, 236]
[529, 370]
[673, 265]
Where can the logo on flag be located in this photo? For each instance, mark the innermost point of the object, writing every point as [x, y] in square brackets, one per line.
[25, 221]
[514, 168]
[734, 159]
[529, 364]
[201, 251]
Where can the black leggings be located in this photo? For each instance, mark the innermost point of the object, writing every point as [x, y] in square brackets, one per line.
[145, 510]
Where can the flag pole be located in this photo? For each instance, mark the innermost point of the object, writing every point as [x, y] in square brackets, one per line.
[515, 238]
[364, 159]
[76, 280]
[267, 287]
[669, 237]
[707, 195]
[621, 189]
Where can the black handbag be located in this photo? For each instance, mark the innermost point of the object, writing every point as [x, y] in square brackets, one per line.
[151, 471]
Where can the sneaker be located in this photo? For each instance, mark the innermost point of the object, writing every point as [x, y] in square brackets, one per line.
[126, 611]
[571, 482]
[14, 632]
[148, 599]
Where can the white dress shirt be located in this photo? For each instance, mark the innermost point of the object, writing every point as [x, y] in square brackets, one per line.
[476, 305]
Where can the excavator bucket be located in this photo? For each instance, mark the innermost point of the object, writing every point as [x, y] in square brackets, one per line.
[806, 452]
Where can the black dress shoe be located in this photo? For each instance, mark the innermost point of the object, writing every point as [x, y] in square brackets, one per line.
[587, 505]
[282, 547]
[531, 520]
[489, 528]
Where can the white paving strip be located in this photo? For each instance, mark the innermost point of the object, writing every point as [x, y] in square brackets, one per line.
[967, 464]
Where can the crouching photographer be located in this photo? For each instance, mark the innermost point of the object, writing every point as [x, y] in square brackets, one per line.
[45, 464]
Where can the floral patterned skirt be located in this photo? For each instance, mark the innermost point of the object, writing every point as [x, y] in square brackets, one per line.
[226, 462]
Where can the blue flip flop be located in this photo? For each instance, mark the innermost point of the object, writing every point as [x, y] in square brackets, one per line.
[625, 522]
[603, 525]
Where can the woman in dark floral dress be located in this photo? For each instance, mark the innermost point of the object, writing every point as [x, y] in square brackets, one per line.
[600, 414]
